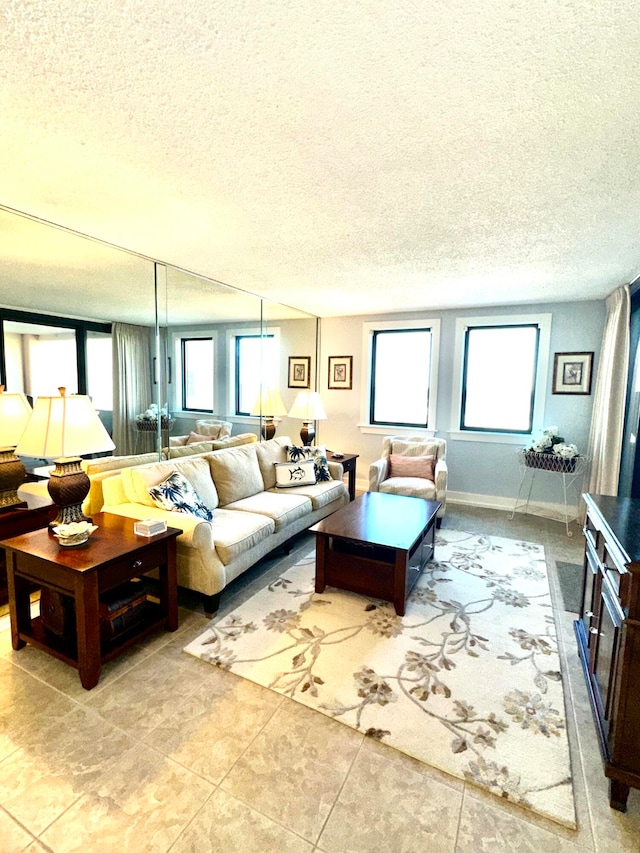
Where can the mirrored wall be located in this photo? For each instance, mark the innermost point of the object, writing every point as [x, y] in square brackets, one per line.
[143, 338]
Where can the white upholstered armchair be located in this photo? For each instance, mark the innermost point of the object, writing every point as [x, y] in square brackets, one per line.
[414, 466]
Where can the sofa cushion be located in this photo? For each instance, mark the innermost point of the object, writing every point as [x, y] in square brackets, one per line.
[283, 508]
[137, 481]
[234, 532]
[319, 456]
[321, 494]
[290, 474]
[234, 440]
[236, 473]
[178, 495]
[412, 466]
[269, 452]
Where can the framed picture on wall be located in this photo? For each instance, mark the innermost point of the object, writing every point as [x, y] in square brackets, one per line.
[340, 372]
[572, 373]
[299, 371]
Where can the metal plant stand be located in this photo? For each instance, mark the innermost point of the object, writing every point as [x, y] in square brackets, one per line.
[572, 471]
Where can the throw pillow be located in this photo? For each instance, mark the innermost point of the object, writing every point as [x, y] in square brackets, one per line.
[319, 456]
[290, 474]
[195, 437]
[412, 466]
[176, 494]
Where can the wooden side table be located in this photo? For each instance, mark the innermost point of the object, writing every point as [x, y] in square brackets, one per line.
[113, 555]
[13, 522]
[348, 462]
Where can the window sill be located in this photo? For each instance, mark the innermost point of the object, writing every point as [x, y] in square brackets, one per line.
[490, 437]
[391, 429]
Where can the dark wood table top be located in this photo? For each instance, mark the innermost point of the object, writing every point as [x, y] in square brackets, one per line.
[114, 538]
[393, 521]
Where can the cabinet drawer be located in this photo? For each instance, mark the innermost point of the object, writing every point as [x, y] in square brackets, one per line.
[151, 557]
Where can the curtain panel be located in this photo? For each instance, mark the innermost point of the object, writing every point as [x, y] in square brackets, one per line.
[607, 423]
[132, 391]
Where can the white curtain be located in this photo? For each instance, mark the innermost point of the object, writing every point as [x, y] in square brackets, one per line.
[607, 422]
[132, 391]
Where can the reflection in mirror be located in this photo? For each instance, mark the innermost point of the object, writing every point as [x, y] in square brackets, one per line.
[139, 338]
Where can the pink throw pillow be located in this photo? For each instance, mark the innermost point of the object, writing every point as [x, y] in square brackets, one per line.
[412, 466]
[195, 437]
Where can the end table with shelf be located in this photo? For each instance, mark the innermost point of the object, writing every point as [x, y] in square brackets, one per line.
[14, 522]
[348, 462]
[113, 555]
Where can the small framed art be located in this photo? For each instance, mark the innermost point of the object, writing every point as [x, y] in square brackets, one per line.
[572, 373]
[299, 371]
[340, 372]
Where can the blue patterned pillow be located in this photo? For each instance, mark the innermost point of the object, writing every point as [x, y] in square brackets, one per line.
[319, 456]
[178, 495]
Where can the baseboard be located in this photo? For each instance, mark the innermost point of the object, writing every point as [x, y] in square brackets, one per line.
[555, 511]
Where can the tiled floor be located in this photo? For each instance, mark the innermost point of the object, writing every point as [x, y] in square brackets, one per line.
[168, 753]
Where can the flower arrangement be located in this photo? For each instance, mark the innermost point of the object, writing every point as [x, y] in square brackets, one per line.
[551, 452]
[148, 420]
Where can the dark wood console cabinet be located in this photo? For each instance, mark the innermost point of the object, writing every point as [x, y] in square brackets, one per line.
[608, 633]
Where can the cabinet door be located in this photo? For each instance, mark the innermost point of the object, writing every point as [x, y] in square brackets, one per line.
[604, 644]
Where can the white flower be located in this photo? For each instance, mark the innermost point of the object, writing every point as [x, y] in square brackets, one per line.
[566, 451]
[551, 431]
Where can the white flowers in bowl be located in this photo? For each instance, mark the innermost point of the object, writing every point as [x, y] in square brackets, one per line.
[74, 533]
[552, 442]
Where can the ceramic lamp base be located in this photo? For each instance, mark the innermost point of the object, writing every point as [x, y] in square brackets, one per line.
[68, 487]
[307, 433]
[268, 428]
[12, 475]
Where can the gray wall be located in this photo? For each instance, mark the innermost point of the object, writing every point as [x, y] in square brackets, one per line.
[485, 473]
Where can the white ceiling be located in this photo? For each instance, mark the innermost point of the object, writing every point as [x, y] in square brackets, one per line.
[345, 158]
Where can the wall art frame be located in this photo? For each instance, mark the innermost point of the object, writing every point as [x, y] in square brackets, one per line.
[572, 373]
[340, 372]
[299, 371]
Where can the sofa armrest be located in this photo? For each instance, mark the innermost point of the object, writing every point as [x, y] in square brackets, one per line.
[336, 469]
[196, 532]
[377, 473]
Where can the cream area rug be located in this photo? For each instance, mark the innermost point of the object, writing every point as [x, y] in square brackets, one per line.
[467, 681]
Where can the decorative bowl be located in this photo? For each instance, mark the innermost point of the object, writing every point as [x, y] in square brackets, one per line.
[76, 533]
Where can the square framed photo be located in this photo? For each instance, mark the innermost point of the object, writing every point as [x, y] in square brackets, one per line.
[299, 371]
[572, 373]
[340, 372]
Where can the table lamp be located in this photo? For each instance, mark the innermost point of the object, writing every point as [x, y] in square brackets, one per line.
[268, 406]
[15, 412]
[63, 429]
[308, 406]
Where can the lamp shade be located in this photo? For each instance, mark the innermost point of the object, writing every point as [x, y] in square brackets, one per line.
[62, 427]
[15, 412]
[308, 407]
[269, 402]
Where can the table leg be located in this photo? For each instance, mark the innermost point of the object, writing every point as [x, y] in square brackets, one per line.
[400, 581]
[352, 483]
[169, 587]
[88, 629]
[19, 603]
[321, 547]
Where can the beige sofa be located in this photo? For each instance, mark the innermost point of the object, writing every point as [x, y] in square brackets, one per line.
[251, 516]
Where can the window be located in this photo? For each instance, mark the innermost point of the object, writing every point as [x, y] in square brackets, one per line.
[499, 378]
[402, 359]
[256, 358]
[502, 364]
[197, 358]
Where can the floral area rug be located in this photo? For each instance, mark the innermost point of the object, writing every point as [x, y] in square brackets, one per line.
[467, 681]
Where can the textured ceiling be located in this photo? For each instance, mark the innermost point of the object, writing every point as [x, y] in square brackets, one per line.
[345, 158]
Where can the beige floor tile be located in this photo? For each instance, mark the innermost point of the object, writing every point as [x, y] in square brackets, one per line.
[56, 764]
[293, 771]
[385, 807]
[484, 827]
[13, 838]
[226, 824]
[141, 806]
[211, 728]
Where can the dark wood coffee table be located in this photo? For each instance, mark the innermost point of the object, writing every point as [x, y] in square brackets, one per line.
[113, 555]
[376, 546]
